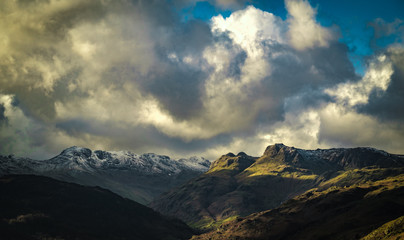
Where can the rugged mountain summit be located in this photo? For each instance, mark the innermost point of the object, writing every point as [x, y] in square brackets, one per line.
[330, 159]
[238, 185]
[233, 163]
[37, 207]
[139, 177]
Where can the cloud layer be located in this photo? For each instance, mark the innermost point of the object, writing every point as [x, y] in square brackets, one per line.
[131, 75]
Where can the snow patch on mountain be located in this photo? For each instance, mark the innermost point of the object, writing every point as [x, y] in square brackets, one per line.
[84, 159]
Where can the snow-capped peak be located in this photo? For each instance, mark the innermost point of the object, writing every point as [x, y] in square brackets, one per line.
[140, 177]
[80, 158]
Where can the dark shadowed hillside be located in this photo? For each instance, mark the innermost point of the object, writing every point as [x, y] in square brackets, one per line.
[33, 207]
[336, 213]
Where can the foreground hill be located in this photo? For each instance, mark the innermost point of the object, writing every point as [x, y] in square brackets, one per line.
[393, 230]
[34, 207]
[336, 213]
[239, 185]
[138, 177]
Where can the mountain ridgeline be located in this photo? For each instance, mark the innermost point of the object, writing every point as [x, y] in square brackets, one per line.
[239, 185]
[137, 177]
[287, 193]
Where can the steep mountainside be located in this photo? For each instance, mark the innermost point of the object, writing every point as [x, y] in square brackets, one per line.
[238, 185]
[138, 177]
[36, 207]
[336, 213]
[392, 230]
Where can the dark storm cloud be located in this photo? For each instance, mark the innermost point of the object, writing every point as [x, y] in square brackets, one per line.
[320, 67]
[299, 78]
[133, 75]
[190, 37]
[40, 43]
[221, 4]
[307, 98]
[175, 83]
[234, 69]
[37, 31]
[3, 118]
[230, 4]
[146, 138]
[382, 29]
[388, 105]
[178, 91]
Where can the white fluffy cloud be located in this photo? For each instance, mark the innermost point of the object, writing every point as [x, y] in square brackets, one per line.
[304, 31]
[377, 78]
[338, 124]
[249, 27]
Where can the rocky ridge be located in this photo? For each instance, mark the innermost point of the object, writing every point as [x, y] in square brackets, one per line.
[238, 185]
[139, 177]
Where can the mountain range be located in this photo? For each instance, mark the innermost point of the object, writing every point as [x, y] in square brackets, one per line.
[137, 177]
[287, 193]
[239, 185]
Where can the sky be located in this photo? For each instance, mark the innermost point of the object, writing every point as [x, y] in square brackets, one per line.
[200, 78]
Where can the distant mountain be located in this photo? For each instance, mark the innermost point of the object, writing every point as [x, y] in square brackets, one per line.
[36, 207]
[239, 185]
[367, 211]
[138, 177]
